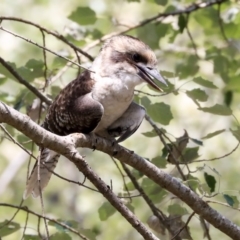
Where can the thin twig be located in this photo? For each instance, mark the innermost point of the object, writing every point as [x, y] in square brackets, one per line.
[184, 226]
[159, 214]
[55, 34]
[123, 178]
[217, 158]
[191, 38]
[221, 24]
[24, 82]
[15, 142]
[25, 226]
[42, 47]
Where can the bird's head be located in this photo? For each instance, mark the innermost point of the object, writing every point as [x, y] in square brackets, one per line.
[129, 59]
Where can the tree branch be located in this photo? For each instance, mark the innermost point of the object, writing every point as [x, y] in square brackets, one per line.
[67, 146]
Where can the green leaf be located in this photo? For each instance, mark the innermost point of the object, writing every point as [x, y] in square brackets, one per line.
[231, 200]
[129, 187]
[198, 142]
[154, 191]
[176, 209]
[31, 237]
[213, 134]
[5, 72]
[204, 83]
[168, 74]
[137, 174]
[236, 133]
[34, 64]
[228, 96]
[60, 228]
[2, 80]
[197, 95]
[60, 236]
[106, 211]
[192, 182]
[145, 101]
[88, 233]
[161, 2]
[83, 16]
[159, 161]
[188, 67]
[155, 33]
[204, 188]
[181, 23]
[150, 134]
[190, 154]
[7, 228]
[160, 112]
[211, 182]
[218, 110]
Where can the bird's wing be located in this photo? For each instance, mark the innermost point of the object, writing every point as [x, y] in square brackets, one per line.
[74, 110]
[128, 123]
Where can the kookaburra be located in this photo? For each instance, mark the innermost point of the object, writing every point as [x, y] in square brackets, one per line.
[100, 100]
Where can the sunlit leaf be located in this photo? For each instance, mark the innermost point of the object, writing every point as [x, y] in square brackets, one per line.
[236, 133]
[7, 228]
[213, 134]
[192, 182]
[168, 74]
[190, 154]
[145, 101]
[106, 211]
[204, 83]
[160, 112]
[176, 209]
[5, 72]
[32, 237]
[161, 2]
[188, 67]
[60, 236]
[88, 233]
[159, 162]
[154, 191]
[211, 182]
[150, 134]
[2, 80]
[218, 110]
[83, 16]
[197, 95]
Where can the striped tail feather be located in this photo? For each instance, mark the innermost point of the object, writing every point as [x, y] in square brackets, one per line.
[49, 158]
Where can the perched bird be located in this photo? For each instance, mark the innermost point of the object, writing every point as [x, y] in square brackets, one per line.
[100, 100]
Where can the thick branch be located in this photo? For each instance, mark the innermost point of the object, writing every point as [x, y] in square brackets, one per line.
[66, 146]
[68, 149]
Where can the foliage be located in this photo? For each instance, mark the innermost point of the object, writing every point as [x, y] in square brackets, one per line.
[198, 51]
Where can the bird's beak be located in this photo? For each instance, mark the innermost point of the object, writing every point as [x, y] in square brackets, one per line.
[149, 74]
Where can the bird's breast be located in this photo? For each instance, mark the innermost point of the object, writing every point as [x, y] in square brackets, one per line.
[115, 96]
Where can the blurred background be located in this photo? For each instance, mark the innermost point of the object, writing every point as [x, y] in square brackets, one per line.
[202, 44]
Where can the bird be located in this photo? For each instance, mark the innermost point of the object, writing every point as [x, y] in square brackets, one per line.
[99, 101]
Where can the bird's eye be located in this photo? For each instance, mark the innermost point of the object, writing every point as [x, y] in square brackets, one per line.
[136, 57]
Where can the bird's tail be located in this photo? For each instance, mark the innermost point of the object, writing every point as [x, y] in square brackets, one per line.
[48, 162]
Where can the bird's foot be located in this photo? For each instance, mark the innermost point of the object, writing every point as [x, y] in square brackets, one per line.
[94, 141]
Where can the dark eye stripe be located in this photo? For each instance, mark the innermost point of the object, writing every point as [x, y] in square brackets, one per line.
[136, 57]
